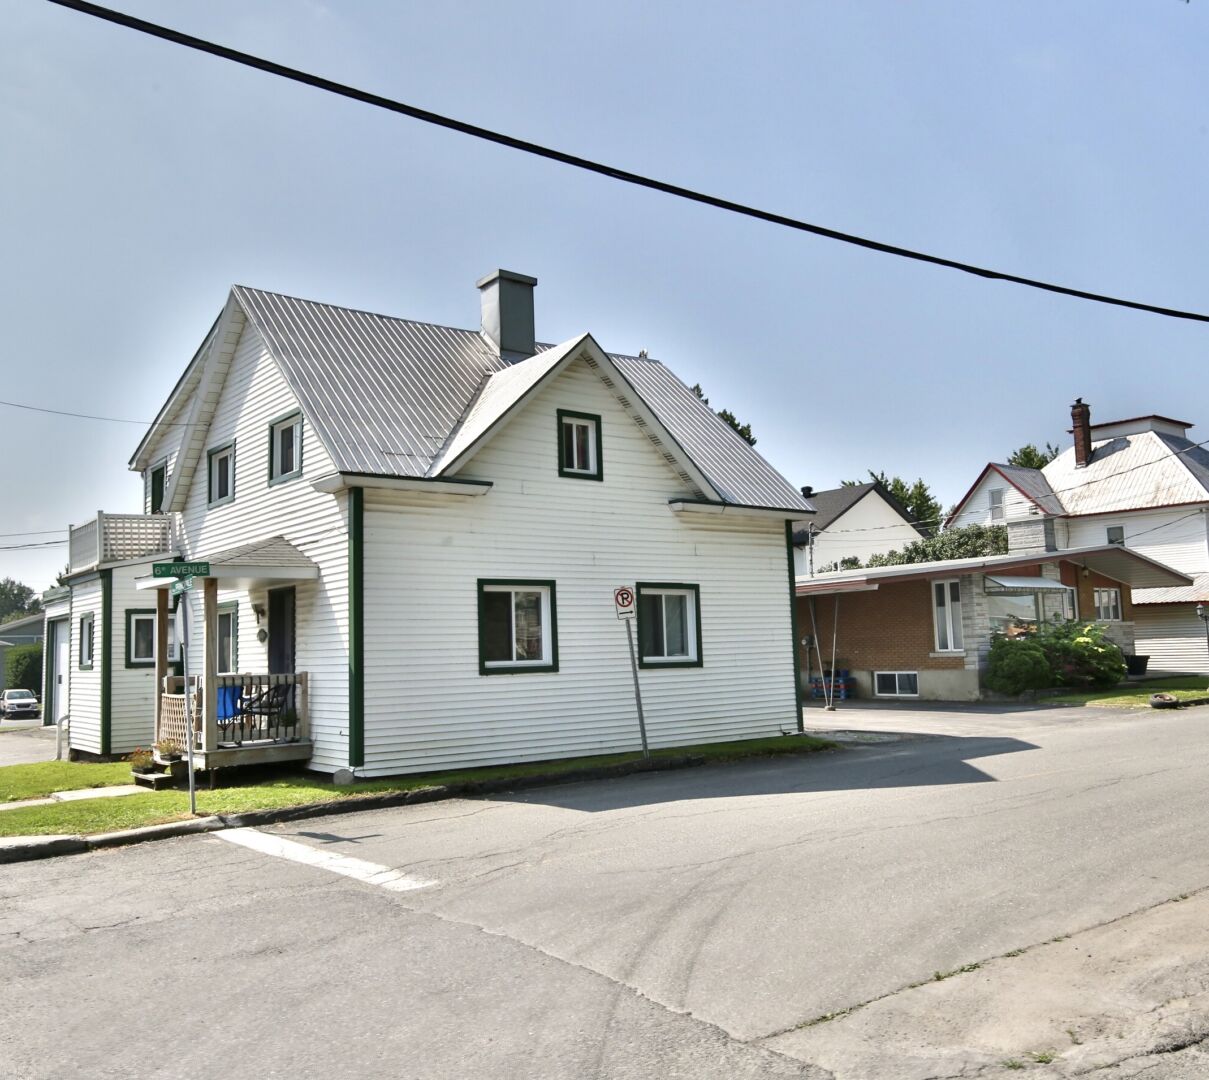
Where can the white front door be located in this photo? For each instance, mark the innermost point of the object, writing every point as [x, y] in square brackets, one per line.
[62, 655]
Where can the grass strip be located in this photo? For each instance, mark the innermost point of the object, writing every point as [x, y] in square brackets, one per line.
[108, 815]
[1136, 695]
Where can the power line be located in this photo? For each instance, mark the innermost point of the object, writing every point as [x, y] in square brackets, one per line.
[25, 547]
[34, 532]
[612, 172]
[90, 416]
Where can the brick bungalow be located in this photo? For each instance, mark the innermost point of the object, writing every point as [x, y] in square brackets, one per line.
[924, 630]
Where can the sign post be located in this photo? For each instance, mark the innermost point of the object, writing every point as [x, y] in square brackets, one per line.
[183, 619]
[623, 601]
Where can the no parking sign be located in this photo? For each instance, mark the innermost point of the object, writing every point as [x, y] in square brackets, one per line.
[623, 599]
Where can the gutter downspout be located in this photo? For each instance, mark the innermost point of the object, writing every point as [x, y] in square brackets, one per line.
[793, 629]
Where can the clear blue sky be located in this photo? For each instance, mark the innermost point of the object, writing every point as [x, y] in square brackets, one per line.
[1064, 141]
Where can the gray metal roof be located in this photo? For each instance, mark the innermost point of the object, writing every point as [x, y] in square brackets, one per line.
[1197, 592]
[1033, 484]
[275, 551]
[834, 503]
[384, 395]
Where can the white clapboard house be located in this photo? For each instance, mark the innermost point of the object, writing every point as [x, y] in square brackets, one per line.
[1140, 483]
[413, 534]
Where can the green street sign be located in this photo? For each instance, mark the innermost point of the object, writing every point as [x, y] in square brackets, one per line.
[180, 569]
[182, 586]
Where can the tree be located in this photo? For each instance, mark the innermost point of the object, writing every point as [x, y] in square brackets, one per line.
[1029, 457]
[23, 668]
[744, 430]
[917, 499]
[17, 600]
[969, 542]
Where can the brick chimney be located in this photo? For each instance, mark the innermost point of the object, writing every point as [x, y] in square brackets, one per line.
[1080, 418]
[507, 301]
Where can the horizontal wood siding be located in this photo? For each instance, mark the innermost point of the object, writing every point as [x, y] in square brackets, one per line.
[1172, 636]
[84, 705]
[871, 527]
[132, 693]
[426, 704]
[253, 395]
[1176, 537]
[977, 510]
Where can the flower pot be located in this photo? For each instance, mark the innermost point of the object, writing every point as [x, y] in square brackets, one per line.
[1136, 665]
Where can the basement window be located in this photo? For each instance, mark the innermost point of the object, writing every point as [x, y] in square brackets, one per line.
[896, 683]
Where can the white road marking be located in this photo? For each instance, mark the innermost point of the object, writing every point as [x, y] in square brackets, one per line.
[371, 873]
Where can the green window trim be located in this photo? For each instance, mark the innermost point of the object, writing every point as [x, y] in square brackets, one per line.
[106, 660]
[231, 607]
[160, 467]
[672, 662]
[295, 472]
[90, 618]
[131, 661]
[210, 456]
[571, 474]
[356, 627]
[517, 668]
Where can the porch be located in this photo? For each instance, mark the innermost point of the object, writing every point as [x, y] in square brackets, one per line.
[233, 717]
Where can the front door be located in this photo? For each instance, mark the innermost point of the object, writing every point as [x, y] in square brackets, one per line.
[281, 631]
[62, 659]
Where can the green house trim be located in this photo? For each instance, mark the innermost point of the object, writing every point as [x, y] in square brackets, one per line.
[684, 586]
[518, 669]
[598, 474]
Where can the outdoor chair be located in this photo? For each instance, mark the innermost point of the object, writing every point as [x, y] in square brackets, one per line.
[268, 706]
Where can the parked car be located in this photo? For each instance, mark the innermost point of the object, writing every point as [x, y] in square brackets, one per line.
[18, 703]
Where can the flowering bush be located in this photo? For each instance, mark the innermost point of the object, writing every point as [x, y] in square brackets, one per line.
[1080, 655]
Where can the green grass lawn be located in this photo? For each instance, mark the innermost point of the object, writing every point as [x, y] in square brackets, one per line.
[39, 780]
[1134, 695]
[109, 815]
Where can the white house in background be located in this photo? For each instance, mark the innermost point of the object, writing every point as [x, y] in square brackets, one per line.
[412, 535]
[849, 522]
[1138, 482]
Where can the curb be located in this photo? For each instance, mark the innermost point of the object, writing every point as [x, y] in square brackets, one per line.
[28, 848]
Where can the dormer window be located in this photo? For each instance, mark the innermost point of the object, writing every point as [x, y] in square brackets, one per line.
[285, 448]
[579, 445]
[222, 474]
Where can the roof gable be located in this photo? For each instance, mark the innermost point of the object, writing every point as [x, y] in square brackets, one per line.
[1031, 483]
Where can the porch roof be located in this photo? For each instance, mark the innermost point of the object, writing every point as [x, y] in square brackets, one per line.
[274, 561]
[1111, 560]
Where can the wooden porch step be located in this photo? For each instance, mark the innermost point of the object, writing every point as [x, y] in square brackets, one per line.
[156, 781]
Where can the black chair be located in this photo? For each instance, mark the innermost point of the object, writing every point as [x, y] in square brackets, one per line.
[268, 706]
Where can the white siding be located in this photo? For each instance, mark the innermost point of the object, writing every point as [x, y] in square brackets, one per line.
[132, 690]
[871, 527]
[85, 685]
[253, 395]
[977, 510]
[1172, 636]
[165, 453]
[1176, 537]
[428, 707]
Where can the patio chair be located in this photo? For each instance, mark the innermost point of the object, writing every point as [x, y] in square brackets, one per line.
[268, 706]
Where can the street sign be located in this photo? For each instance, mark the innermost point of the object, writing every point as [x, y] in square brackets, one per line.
[178, 587]
[623, 600]
[180, 569]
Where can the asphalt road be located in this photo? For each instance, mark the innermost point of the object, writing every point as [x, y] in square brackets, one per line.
[667, 925]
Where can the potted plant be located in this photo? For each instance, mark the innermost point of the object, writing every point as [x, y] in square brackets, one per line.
[169, 749]
[141, 760]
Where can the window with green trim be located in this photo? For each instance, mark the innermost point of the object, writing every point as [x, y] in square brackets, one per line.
[285, 448]
[86, 640]
[222, 474]
[669, 625]
[156, 484]
[228, 638]
[579, 449]
[517, 630]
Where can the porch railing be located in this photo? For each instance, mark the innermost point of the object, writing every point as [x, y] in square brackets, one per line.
[120, 538]
[257, 708]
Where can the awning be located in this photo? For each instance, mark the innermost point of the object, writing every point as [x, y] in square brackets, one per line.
[262, 564]
[1006, 584]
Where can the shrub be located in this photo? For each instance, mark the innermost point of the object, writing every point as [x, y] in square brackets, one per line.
[1080, 655]
[1016, 665]
[23, 668]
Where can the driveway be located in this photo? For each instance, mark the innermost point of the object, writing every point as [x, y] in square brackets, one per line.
[689, 924]
[23, 743]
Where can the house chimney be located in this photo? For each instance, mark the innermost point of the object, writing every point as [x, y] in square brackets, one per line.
[507, 299]
[807, 491]
[1080, 418]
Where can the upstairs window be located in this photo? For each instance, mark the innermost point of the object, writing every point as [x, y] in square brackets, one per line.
[579, 445]
[1116, 534]
[285, 448]
[669, 626]
[222, 474]
[995, 501]
[156, 483]
[517, 629]
[1108, 605]
[946, 611]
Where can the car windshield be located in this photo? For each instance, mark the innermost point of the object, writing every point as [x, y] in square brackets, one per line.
[19, 695]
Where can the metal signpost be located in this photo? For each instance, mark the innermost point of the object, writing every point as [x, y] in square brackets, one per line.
[624, 600]
[184, 616]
